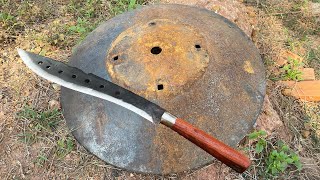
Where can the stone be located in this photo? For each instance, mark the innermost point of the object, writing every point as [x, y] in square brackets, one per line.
[235, 11]
[303, 90]
[54, 104]
[315, 9]
[215, 171]
[306, 133]
[56, 87]
[268, 119]
[308, 74]
[285, 56]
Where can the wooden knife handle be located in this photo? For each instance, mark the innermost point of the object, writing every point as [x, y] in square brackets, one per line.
[216, 148]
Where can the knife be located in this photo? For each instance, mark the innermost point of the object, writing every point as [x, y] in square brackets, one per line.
[75, 79]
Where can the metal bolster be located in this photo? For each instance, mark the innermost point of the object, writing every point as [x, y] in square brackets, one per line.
[168, 119]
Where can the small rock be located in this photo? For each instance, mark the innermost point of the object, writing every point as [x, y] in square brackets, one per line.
[269, 119]
[303, 90]
[308, 74]
[235, 11]
[67, 157]
[305, 133]
[315, 9]
[56, 87]
[54, 104]
[307, 126]
[285, 56]
[131, 175]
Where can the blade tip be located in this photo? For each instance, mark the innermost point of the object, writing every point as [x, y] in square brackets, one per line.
[21, 52]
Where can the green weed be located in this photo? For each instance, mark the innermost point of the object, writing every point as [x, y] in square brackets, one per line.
[279, 160]
[64, 147]
[6, 18]
[291, 70]
[120, 6]
[273, 158]
[82, 28]
[41, 159]
[261, 143]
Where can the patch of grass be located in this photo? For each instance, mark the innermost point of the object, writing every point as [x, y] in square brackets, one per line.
[120, 6]
[10, 24]
[272, 158]
[41, 159]
[39, 123]
[7, 19]
[64, 146]
[82, 28]
[89, 14]
[313, 59]
[291, 70]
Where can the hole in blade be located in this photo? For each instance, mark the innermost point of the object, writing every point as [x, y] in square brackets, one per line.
[87, 80]
[40, 62]
[101, 86]
[48, 67]
[197, 46]
[60, 71]
[74, 76]
[152, 24]
[116, 58]
[160, 86]
[156, 50]
[117, 93]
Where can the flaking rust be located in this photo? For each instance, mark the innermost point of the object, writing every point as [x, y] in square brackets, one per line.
[158, 57]
[207, 72]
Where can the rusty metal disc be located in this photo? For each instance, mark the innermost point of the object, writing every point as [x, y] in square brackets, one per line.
[194, 63]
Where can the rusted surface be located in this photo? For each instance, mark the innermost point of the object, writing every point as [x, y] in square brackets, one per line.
[158, 58]
[218, 87]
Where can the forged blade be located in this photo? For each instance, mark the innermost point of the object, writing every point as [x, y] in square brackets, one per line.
[75, 79]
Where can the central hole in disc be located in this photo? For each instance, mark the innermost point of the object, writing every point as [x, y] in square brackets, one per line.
[156, 50]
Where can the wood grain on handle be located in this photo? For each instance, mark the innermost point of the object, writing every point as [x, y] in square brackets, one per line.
[216, 148]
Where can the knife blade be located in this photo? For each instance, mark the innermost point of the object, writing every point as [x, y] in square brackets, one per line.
[75, 79]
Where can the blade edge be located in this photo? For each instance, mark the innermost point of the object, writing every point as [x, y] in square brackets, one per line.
[30, 64]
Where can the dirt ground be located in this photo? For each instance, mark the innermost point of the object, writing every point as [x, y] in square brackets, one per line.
[35, 142]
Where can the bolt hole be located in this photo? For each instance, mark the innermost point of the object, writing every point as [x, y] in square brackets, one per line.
[197, 46]
[74, 76]
[101, 86]
[152, 24]
[160, 86]
[115, 58]
[48, 67]
[87, 80]
[156, 50]
[40, 62]
[117, 93]
[60, 71]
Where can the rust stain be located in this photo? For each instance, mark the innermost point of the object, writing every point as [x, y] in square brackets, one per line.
[248, 67]
[101, 120]
[180, 58]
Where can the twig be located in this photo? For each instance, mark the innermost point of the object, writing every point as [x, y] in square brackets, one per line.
[283, 13]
